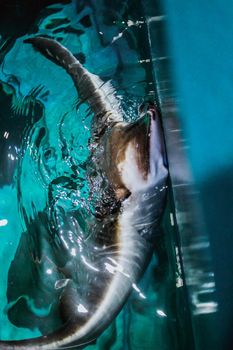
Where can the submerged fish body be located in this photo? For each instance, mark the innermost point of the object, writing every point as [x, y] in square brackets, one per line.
[129, 159]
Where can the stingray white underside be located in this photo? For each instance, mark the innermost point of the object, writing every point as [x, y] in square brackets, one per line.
[131, 175]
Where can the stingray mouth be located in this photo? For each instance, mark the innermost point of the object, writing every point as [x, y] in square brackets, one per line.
[144, 137]
[143, 158]
[148, 108]
[153, 113]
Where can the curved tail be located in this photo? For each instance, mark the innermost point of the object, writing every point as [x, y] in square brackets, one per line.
[74, 334]
[97, 94]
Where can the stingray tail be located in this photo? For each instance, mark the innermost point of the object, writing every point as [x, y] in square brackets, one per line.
[52, 341]
[54, 51]
[91, 88]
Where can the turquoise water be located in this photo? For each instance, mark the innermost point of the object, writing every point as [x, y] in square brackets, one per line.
[44, 150]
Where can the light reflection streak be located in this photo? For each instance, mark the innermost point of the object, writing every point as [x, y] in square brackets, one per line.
[11, 156]
[61, 283]
[79, 240]
[138, 290]
[63, 240]
[117, 267]
[73, 252]
[161, 313]
[82, 309]
[88, 264]
[3, 222]
[6, 134]
[112, 269]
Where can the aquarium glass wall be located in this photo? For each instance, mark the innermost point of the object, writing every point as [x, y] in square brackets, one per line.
[47, 197]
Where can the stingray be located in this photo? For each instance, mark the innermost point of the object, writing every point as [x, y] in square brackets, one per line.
[130, 163]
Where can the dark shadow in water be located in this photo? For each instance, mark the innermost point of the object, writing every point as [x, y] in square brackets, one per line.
[30, 290]
[217, 200]
[18, 17]
[16, 114]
